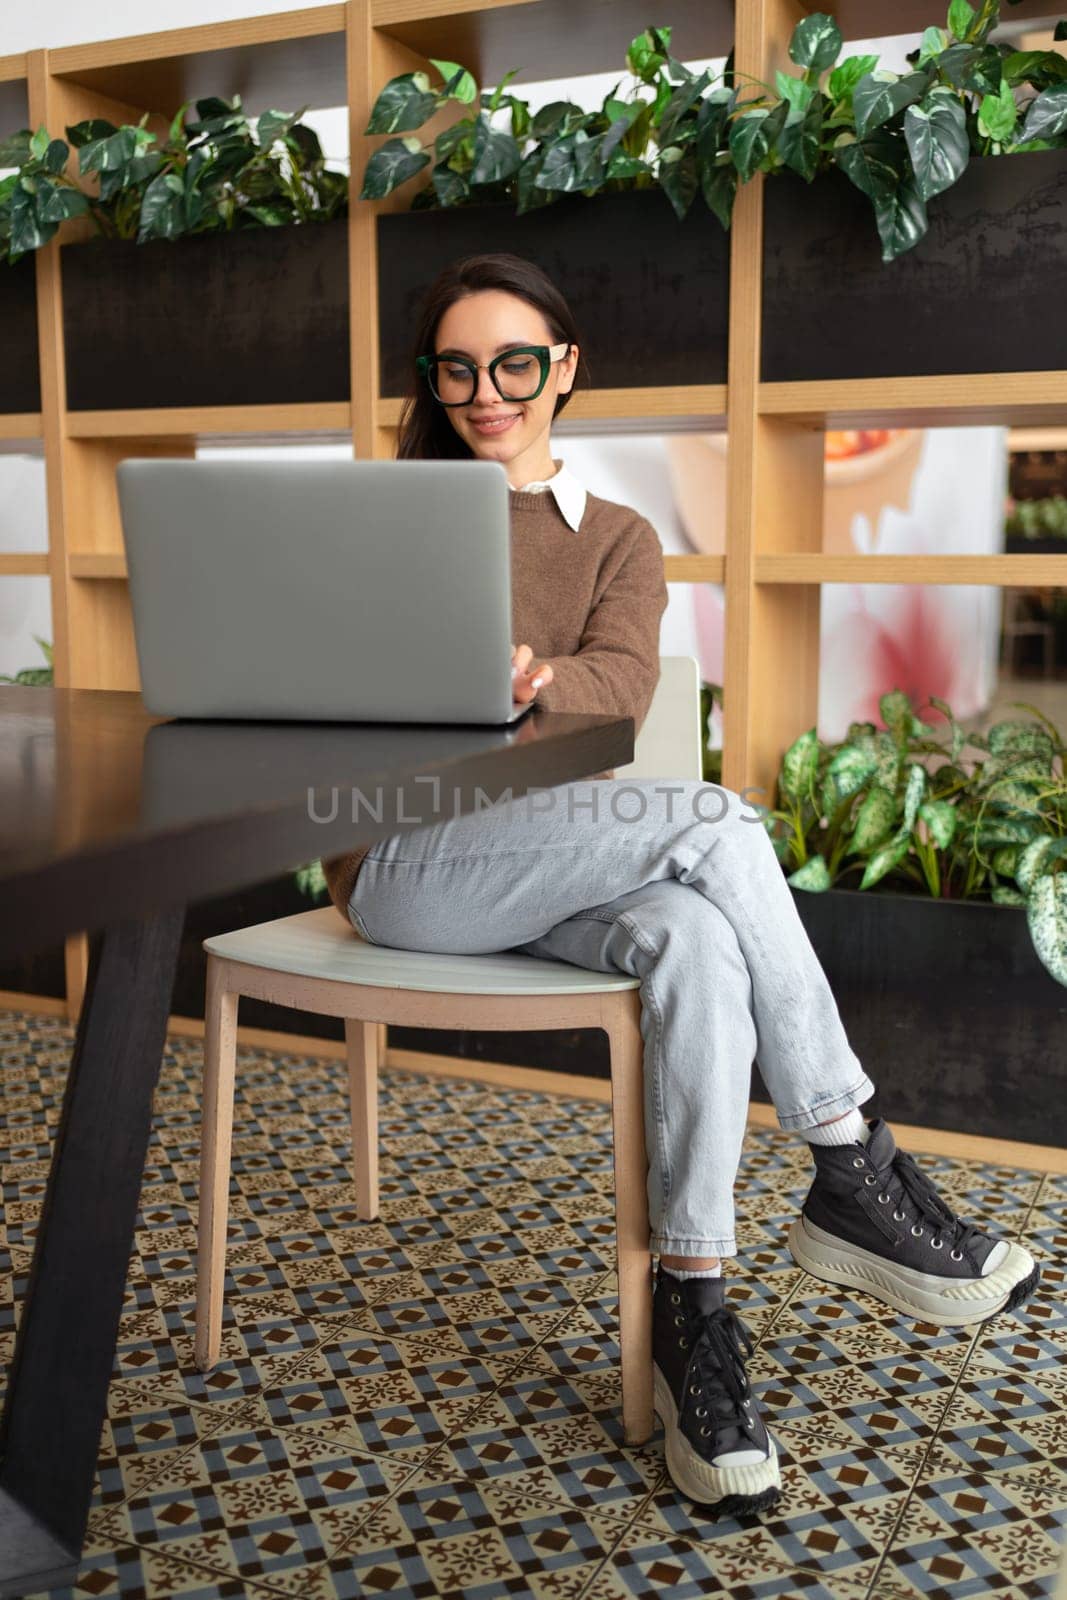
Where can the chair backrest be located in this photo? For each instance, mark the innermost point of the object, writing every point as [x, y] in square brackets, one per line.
[669, 744]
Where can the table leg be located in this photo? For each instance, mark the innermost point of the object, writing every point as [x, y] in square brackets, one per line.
[57, 1389]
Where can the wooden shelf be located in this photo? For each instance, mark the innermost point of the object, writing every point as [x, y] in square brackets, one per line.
[551, 38]
[1008, 571]
[20, 425]
[221, 422]
[288, 60]
[677, 569]
[694, 569]
[24, 563]
[1023, 399]
[97, 564]
[703, 404]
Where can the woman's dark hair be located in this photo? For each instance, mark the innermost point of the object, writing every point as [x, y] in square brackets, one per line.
[424, 431]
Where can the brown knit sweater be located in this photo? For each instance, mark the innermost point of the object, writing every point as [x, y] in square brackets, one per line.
[590, 604]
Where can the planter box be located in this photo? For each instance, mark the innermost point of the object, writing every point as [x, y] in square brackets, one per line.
[949, 1009]
[650, 294]
[967, 298]
[20, 384]
[1016, 545]
[258, 317]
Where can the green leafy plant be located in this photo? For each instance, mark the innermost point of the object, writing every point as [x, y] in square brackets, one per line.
[311, 880]
[901, 806]
[35, 677]
[673, 137]
[711, 759]
[901, 138]
[220, 171]
[1038, 519]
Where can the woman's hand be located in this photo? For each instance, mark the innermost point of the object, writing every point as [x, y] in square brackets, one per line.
[527, 675]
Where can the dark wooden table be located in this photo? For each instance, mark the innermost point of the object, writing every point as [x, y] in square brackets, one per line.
[111, 822]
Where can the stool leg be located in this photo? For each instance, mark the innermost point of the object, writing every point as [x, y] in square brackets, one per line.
[220, 1056]
[632, 1233]
[361, 1044]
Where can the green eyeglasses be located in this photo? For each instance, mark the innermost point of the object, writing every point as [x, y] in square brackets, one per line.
[517, 374]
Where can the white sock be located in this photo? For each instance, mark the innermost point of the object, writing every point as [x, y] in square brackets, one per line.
[712, 1272]
[849, 1129]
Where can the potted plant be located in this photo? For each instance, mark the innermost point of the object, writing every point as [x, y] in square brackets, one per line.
[1037, 527]
[931, 885]
[231, 292]
[876, 145]
[524, 186]
[994, 236]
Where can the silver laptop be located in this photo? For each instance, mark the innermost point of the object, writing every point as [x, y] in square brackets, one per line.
[343, 591]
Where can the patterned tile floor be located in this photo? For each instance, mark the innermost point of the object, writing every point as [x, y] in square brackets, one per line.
[426, 1405]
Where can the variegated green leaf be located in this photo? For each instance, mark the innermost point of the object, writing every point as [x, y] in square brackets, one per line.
[814, 875]
[1011, 797]
[394, 163]
[1046, 914]
[874, 819]
[937, 140]
[1006, 859]
[885, 859]
[940, 817]
[1005, 895]
[1020, 738]
[1006, 830]
[799, 765]
[913, 793]
[847, 773]
[816, 42]
[896, 712]
[1037, 858]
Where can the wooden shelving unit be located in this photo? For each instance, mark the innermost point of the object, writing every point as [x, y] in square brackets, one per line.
[343, 54]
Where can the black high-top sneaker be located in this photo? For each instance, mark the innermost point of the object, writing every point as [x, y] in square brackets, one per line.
[873, 1220]
[719, 1453]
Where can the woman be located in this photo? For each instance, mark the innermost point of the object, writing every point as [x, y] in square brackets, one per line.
[676, 883]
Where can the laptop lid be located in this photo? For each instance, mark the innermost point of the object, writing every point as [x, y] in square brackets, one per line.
[321, 590]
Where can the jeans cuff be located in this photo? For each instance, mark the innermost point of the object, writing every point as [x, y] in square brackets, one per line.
[826, 1110]
[662, 1245]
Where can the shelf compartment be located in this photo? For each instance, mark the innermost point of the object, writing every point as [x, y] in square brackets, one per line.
[833, 310]
[1006, 571]
[222, 422]
[549, 38]
[637, 409]
[867, 19]
[20, 379]
[656, 317]
[1013, 399]
[14, 103]
[288, 60]
[249, 318]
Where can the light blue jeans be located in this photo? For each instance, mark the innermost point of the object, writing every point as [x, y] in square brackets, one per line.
[677, 883]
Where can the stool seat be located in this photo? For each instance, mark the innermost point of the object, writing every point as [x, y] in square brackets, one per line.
[318, 944]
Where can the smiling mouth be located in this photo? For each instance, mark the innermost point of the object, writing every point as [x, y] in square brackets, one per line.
[494, 424]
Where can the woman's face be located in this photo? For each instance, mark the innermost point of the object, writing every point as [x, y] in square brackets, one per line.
[514, 432]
